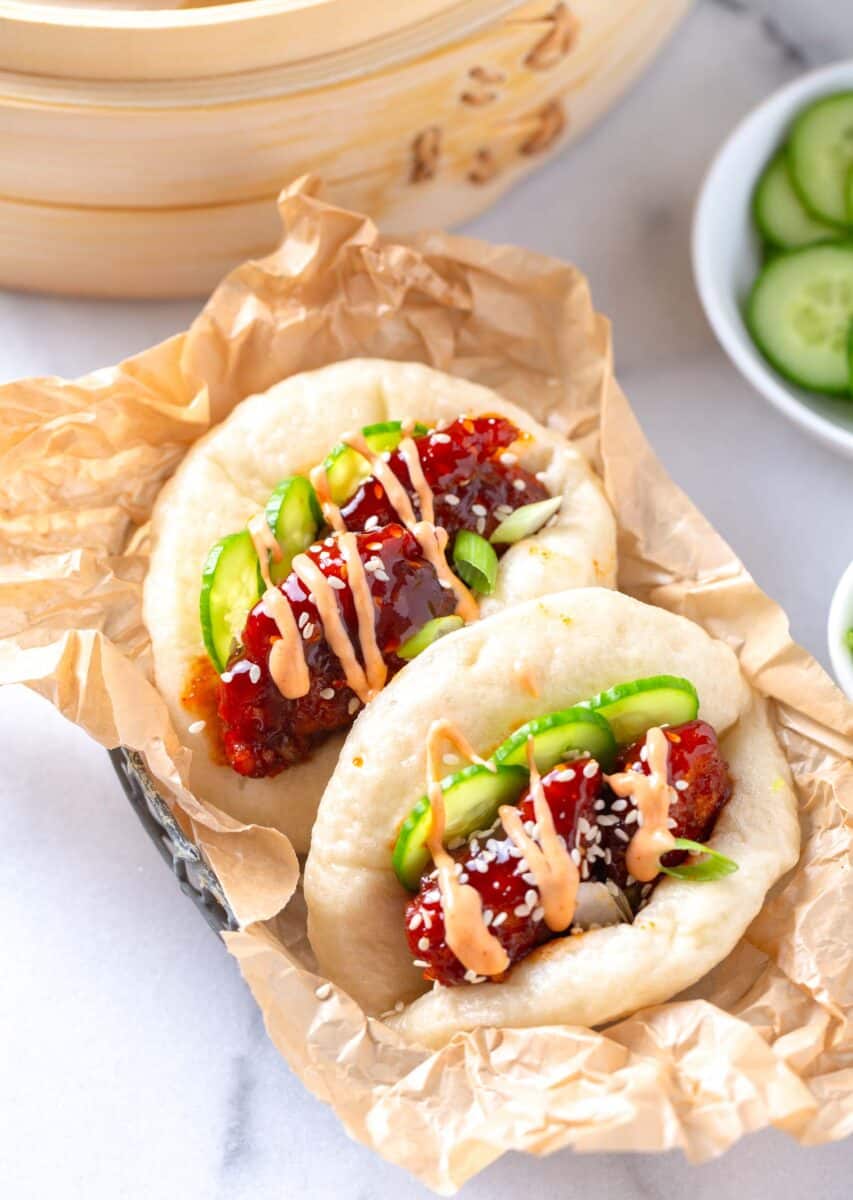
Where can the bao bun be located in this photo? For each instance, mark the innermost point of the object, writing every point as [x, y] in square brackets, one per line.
[228, 476]
[570, 646]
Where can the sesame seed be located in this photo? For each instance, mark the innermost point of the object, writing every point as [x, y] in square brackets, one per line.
[442, 439]
[419, 962]
[508, 458]
[671, 823]
[353, 705]
[481, 524]
[336, 583]
[415, 921]
[608, 820]
[423, 944]
[519, 485]
[303, 620]
[382, 576]
[197, 726]
[327, 694]
[308, 630]
[541, 476]
[622, 835]
[254, 673]
[631, 817]
[450, 499]
[371, 523]
[598, 806]
[529, 878]
[565, 776]
[499, 920]
[576, 856]
[479, 510]
[521, 910]
[531, 896]
[644, 754]
[682, 785]
[488, 916]
[538, 913]
[619, 805]
[226, 676]
[463, 878]
[323, 992]
[590, 769]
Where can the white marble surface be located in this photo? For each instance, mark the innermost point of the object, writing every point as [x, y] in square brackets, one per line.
[134, 1064]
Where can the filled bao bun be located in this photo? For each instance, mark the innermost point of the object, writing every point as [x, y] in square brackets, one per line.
[228, 476]
[565, 648]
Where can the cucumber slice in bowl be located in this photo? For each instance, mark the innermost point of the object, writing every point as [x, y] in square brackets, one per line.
[472, 798]
[558, 735]
[293, 514]
[231, 586]
[346, 468]
[780, 215]
[820, 153]
[631, 709]
[799, 314]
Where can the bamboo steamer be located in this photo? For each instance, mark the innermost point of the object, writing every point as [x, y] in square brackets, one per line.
[142, 148]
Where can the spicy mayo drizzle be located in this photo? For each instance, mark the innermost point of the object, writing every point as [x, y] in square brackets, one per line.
[652, 795]
[287, 666]
[466, 932]
[431, 538]
[550, 863]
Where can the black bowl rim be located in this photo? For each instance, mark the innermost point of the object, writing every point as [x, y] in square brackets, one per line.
[195, 877]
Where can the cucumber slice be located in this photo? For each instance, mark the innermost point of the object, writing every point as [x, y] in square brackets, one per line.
[437, 628]
[293, 514]
[556, 735]
[820, 153]
[799, 313]
[779, 213]
[346, 468]
[632, 708]
[472, 798]
[231, 586]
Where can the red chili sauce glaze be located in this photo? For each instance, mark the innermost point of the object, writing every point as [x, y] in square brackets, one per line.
[593, 821]
[473, 475]
[262, 732]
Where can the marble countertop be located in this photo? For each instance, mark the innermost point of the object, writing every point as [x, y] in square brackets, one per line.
[134, 1062]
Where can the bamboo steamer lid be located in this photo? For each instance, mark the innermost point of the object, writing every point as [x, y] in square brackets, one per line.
[118, 178]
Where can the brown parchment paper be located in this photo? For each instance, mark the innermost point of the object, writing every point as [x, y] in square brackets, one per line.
[766, 1038]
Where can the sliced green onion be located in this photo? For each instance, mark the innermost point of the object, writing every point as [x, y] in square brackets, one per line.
[525, 521]
[713, 866]
[427, 634]
[475, 561]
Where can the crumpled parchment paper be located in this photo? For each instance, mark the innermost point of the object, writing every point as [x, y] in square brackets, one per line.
[766, 1038]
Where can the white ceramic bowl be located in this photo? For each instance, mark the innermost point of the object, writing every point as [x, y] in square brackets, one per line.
[840, 620]
[726, 251]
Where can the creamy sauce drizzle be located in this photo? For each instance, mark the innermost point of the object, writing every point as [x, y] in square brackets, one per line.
[549, 862]
[287, 666]
[374, 663]
[334, 628]
[331, 511]
[465, 930]
[652, 795]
